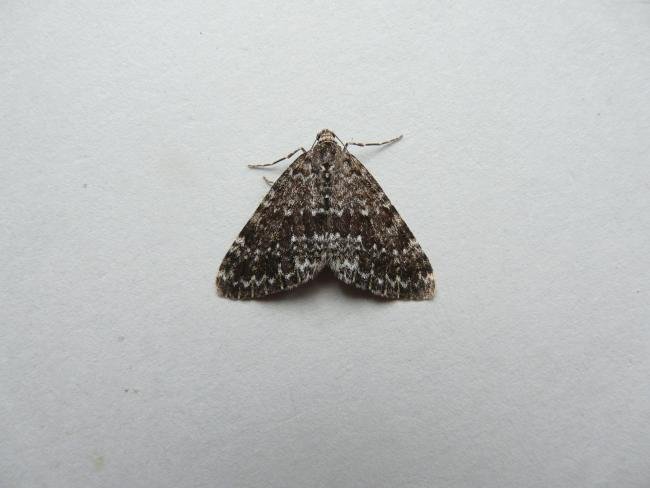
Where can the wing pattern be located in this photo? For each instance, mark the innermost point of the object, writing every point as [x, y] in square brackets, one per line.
[282, 245]
[326, 209]
[371, 246]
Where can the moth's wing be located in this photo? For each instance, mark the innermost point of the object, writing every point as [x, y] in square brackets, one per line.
[282, 245]
[371, 246]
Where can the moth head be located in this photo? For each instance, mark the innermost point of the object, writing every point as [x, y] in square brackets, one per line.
[325, 135]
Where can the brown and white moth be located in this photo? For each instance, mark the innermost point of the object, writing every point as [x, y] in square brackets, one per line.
[326, 210]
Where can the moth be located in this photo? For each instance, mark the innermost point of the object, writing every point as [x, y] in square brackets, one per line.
[326, 210]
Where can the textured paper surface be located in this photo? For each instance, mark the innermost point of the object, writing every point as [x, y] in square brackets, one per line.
[524, 173]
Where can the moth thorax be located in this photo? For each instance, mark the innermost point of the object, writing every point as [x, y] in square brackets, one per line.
[325, 135]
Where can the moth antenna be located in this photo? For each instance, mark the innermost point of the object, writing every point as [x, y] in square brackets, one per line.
[363, 144]
[277, 161]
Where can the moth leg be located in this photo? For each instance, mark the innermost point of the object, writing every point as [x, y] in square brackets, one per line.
[281, 159]
[363, 144]
[268, 182]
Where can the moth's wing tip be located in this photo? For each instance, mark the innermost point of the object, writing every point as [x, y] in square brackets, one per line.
[431, 289]
[220, 289]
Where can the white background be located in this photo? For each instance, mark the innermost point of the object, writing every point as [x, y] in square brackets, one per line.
[125, 129]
